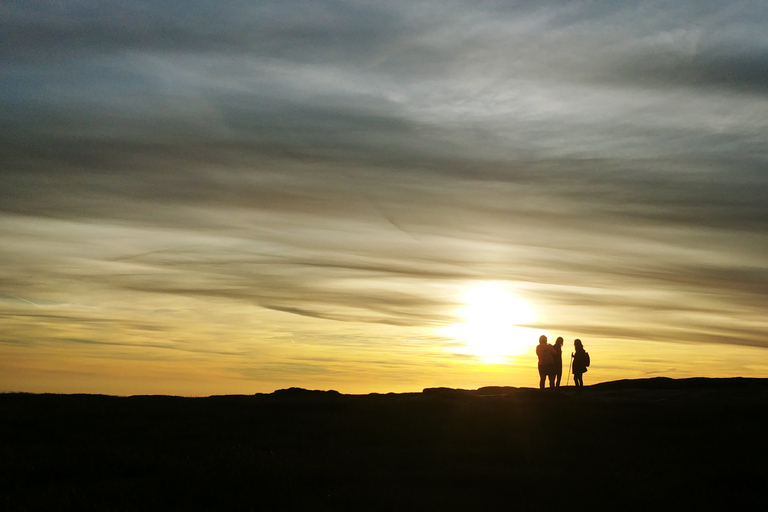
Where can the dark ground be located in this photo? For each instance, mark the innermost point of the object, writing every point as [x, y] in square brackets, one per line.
[656, 444]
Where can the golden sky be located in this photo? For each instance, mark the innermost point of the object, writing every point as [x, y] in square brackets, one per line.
[375, 197]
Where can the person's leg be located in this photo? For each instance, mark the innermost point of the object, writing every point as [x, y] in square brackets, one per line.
[559, 376]
[577, 380]
[542, 377]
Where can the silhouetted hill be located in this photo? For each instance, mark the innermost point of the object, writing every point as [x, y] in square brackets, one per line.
[692, 383]
[300, 392]
[658, 383]
[635, 445]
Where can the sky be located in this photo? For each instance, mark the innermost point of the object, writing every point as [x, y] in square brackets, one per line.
[205, 197]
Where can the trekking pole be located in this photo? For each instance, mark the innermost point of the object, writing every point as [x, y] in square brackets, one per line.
[569, 370]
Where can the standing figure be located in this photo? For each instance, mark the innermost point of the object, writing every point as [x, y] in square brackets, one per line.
[558, 366]
[546, 354]
[580, 363]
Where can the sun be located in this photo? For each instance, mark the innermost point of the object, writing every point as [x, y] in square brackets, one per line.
[491, 323]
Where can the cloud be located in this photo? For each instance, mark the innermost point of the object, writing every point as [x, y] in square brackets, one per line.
[341, 160]
[290, 30]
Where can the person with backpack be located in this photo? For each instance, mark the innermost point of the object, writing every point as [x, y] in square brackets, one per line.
[580, 363]
[546, 354]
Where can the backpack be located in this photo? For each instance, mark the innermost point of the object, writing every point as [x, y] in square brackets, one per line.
[586, 358]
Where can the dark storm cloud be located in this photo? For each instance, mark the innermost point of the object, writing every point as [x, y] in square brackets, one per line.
[306, 76]
[294, 29]
[128, 181]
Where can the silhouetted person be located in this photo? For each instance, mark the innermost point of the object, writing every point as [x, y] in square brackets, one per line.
[546, 354]
[580, 363]
[558, 365]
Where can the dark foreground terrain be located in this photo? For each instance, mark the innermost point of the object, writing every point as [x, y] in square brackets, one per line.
[657, 444]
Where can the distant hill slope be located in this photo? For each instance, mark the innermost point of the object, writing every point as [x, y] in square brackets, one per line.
[691, 383]
[650, 384]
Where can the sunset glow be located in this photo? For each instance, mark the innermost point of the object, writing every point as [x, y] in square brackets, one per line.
[222, 197]
[491, 323]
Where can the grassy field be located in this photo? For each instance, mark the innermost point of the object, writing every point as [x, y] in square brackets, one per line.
[629, 445]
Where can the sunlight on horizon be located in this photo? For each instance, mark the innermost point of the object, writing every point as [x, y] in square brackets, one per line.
[491, 327]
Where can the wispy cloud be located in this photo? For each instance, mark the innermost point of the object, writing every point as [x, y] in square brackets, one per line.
[354, 161]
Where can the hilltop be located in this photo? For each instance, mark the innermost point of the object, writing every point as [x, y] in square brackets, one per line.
[638, 444]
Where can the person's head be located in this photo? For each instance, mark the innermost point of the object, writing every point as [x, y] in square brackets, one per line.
[559, 341]
[542, 339]
[577, 343]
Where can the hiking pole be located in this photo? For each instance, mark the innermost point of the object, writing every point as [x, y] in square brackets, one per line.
[569, 370]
